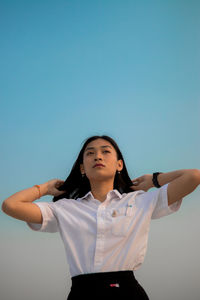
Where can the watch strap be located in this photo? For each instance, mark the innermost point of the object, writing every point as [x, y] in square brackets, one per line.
[155, 179]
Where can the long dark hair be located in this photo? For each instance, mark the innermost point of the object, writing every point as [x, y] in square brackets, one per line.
[77, 186]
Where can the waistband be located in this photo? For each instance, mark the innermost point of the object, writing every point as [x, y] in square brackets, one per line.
[118, 276]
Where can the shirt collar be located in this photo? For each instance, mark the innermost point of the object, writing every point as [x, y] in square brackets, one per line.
[112, 193]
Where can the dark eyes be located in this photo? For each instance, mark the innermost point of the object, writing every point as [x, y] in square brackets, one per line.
[104, 151]
[88, 153]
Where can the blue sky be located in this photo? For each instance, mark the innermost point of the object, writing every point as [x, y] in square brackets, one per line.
[72, 69]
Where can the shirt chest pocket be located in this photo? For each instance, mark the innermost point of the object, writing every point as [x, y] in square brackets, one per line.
[122, 219]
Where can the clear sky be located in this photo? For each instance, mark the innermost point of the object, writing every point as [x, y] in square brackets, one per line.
[72, 69]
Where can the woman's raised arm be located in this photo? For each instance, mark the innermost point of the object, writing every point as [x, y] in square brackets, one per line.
[181, 183]
[20, 206]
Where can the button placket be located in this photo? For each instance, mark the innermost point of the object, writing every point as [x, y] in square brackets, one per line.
[98, 259]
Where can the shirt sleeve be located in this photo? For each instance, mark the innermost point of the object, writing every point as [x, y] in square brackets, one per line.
[49, 219]
[160, 203]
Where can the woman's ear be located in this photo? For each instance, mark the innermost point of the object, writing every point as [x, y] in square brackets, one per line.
[82, 169]
[120, 165]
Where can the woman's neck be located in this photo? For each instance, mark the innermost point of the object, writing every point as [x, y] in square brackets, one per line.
[101, 189]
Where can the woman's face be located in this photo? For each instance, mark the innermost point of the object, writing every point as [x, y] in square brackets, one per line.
[100, 160]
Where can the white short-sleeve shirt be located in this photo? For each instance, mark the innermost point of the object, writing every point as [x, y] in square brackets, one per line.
[105, 236]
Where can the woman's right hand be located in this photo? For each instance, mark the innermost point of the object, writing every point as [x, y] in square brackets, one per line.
[52, 187]
[142, 183]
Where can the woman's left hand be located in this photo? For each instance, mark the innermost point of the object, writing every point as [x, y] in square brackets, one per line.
[143, 183]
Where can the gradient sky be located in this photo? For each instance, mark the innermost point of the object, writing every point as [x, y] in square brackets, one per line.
[72, 69]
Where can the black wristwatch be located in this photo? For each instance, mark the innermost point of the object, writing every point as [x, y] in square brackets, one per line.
[155, 180]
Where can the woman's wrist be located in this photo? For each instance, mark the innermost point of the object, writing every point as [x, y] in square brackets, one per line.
[42, 190]
[155, 179]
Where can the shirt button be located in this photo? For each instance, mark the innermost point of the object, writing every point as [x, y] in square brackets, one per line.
[114, 214]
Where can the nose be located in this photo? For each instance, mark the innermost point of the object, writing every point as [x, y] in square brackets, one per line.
[98, 157]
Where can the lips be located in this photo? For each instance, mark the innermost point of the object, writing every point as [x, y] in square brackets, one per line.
[98, 165]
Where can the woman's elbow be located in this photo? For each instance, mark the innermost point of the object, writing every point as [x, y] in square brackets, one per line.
[196, 175]
[5, 207]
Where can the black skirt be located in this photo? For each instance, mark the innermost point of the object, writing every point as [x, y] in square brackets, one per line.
[108, 285]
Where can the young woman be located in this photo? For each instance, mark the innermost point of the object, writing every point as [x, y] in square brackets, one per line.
[103, 217]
